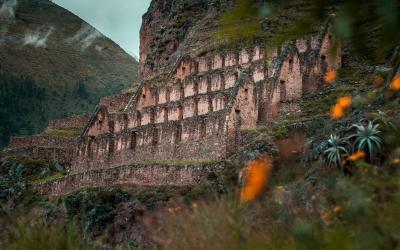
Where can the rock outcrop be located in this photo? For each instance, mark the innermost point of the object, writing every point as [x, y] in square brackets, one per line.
[166, 30]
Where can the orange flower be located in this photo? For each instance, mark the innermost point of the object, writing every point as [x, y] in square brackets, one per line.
[356, 156]
[330, 76]
[337, 209]
[396, 161]
[395, 85]
[341, 107]
[326, 216]
[337, 112]
[256, 176]
[344, 102]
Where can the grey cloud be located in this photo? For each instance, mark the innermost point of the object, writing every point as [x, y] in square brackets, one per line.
[7, 9]
[7, 16]
[38, 38]
[85, 36]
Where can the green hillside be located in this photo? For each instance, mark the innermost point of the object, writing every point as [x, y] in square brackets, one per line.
[69, 62]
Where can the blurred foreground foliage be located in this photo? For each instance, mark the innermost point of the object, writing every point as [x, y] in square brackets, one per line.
[336, 213]
[30, 233]
[370, 28]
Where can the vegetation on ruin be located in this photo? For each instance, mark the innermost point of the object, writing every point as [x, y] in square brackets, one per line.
[353, 23]
[64, 132]
[182, 163]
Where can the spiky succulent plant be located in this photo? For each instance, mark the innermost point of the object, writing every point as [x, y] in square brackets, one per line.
[337, 149]
[368, 139]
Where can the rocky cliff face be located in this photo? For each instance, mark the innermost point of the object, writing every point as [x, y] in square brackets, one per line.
[168, 30]
[171, 29]
[72, 62]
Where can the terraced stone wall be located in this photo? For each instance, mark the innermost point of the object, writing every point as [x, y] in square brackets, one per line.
[75, 122]
[62, 155]
[149, 175]
[43, 141]
[198, 110]
[174, 140]
[116, 103]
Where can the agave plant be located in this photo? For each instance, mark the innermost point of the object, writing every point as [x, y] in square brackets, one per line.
[368, 138]
[336, 150]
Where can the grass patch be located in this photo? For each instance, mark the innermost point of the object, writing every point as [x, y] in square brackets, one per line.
[49, 178]
[180, 163]
[64, 132]
[27, 161]
[322, 103]
[7, 149]
[279, 128]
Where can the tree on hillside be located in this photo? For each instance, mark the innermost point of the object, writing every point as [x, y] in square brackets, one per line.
[21, 107]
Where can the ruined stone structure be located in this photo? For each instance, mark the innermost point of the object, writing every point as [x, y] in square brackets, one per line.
[49, 145]
[195, 113]
[193, 110]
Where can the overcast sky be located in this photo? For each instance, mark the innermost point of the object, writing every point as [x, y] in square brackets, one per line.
[119, 20]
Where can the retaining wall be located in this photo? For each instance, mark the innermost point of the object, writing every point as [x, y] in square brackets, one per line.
[76, 122]
[151, 175]
[43, 140]
[62, 155]
[196, 138]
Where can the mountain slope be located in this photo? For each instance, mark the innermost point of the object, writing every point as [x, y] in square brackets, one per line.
[70, 62]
